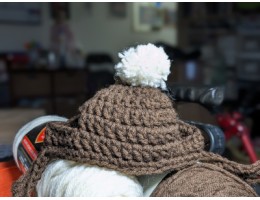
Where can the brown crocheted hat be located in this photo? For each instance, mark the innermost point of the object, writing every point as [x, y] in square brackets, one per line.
[130, 128]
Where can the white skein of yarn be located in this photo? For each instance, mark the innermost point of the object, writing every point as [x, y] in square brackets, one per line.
[64, 178]
[145, 65]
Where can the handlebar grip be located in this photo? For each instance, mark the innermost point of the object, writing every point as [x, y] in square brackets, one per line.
[213, 135]
[210, 96]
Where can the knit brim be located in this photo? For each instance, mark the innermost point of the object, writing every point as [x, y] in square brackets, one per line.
[65, 142]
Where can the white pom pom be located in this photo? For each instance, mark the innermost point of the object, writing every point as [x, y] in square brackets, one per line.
[64, 178]
[145, 65]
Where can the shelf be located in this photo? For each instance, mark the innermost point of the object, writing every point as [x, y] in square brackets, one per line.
[49, 85]
[28, 71]
[250, 56]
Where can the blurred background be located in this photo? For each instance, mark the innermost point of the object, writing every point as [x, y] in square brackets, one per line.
[55, 56]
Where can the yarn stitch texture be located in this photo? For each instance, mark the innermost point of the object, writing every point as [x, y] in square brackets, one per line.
[205, 180]
[134, 130]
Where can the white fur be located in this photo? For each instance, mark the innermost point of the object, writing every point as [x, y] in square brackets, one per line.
[64, 178]
[145, 65]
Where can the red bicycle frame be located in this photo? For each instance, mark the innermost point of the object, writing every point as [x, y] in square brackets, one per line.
[232, 125]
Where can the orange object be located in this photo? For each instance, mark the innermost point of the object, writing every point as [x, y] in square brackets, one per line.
[8, 174]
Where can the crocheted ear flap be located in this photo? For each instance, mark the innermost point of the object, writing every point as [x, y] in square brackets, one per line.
[144, 65]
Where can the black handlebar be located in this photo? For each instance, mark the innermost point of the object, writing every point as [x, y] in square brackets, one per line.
[207, 96]
[214, 137]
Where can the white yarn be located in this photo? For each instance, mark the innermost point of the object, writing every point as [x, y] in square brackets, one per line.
[145, 65]
[64, 178]
[150, 182]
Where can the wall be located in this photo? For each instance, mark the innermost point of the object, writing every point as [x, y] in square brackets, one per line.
[94, 32]
[14, 36]
[114, 34]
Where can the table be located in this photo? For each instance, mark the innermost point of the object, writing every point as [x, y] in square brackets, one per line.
[11, 120]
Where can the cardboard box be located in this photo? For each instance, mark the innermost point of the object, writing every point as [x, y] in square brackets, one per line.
[70, 82]
[195, 112]
[31, 84]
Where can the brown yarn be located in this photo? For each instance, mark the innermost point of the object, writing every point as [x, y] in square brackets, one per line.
[203, 180]
[134, 130]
